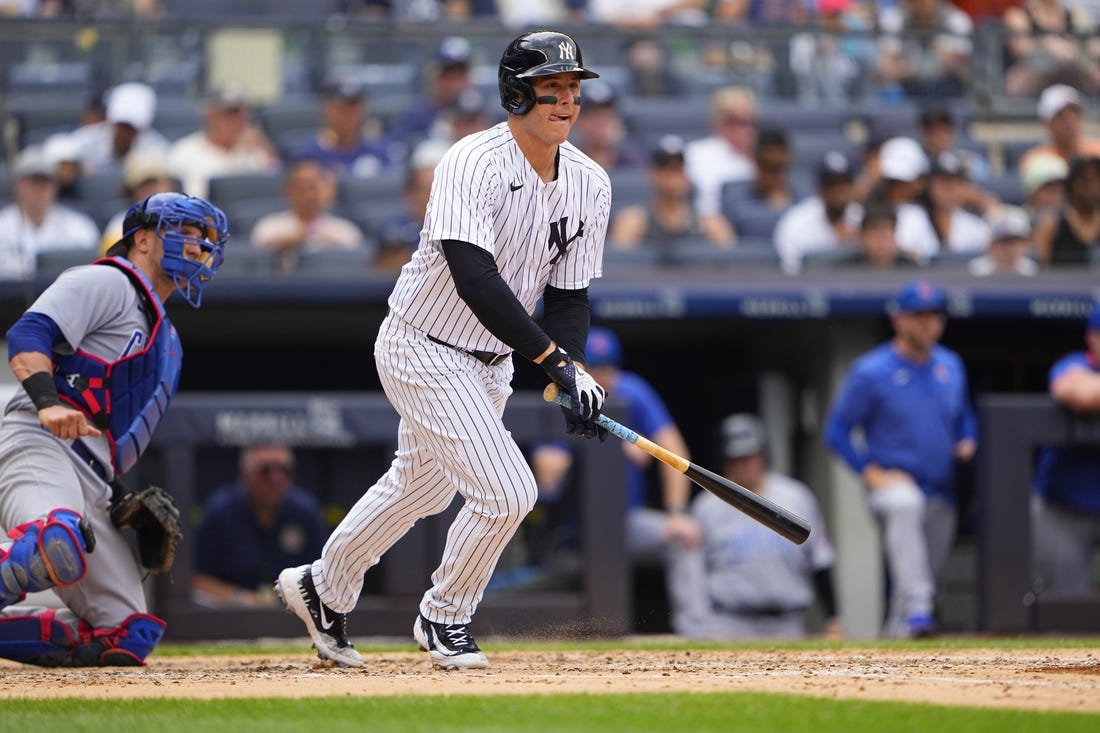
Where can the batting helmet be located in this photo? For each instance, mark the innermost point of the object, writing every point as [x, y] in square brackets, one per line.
[168, 213]
[541, 53]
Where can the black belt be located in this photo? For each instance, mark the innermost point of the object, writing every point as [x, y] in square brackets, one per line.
[91, 461]
[485, 357]
[760, 612]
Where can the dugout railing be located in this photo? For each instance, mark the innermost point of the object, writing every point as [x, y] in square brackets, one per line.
[1010, 600]
[343, 442]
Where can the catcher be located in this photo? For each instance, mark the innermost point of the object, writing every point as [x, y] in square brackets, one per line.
[98, 362]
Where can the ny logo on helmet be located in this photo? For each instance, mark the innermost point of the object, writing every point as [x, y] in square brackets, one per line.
[566, 50]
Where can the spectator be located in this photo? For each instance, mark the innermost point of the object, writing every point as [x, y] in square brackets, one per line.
[726, 155]
[469, 114]
[670, 214]
[1044, 182]
[400, 236]
[1060, 111]
[651, 533]
[956, 229]
[909, 397]
[939, 134]
[878, 243]
[35, 222]
[1069, 236]
[652, 72]
[1066, 505]
[252, 528]
[827, 221]
[306, 225]
[445, 78]
[144, 173]
[63, 151]
[926, 49]
[228, 144]
[648, 15]
[753, 208]
[748, 582]
[340, 145]
[1009, 251]
[831, 61]
[128, 126]
[903, 167]
[1047, 43]
[601, 132]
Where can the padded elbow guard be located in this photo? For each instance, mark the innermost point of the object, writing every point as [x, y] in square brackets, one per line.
[46, 553]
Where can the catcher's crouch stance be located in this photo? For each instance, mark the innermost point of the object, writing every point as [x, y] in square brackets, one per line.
[98, 361]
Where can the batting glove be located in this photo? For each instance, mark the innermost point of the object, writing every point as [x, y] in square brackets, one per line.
[584, 428]
[586, 396]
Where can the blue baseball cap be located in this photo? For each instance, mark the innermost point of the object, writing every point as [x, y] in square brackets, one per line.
[918, 296]
[602, 349]
[1094, 319]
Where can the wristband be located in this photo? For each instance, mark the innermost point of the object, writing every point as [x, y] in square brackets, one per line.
[41, 389]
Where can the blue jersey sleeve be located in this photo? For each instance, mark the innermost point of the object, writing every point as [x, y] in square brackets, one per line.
[967, 425]
[648, 413]
[850, 408]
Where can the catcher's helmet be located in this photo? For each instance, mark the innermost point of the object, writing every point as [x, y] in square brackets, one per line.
[540, 53]
[167, 213]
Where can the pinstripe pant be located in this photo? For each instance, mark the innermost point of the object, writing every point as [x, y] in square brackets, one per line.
[451, 439]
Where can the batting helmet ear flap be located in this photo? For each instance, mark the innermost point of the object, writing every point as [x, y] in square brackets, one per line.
[516, 96]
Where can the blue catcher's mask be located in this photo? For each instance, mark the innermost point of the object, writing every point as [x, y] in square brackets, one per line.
[168, 213]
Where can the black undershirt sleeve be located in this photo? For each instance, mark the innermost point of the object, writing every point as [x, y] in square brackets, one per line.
[480, 285]
[566, 318]
[823, 584]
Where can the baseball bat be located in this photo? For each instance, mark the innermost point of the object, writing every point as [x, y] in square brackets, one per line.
[771, 515]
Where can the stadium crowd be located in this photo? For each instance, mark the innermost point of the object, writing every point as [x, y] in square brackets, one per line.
[741, 155]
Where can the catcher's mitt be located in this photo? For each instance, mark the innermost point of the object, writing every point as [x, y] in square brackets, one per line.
[155, 519]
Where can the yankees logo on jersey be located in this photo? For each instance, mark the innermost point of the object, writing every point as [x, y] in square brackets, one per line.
[540, 233]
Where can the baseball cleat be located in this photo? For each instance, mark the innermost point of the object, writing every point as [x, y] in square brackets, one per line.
[327, 628]
[450, 646]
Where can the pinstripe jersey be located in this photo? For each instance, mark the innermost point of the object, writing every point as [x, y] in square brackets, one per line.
[485, 192]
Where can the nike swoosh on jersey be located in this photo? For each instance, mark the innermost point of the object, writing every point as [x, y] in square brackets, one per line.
[514, 187]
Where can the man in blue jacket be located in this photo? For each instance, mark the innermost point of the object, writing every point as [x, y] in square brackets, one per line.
[908, 401]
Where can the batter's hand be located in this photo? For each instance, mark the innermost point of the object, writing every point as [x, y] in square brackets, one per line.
[575, 425]
[586, 396]
[66, 423]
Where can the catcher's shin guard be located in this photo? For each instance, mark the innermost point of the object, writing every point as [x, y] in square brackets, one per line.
[126, 645]
[40, 639]
[46, 553]
[45, 641]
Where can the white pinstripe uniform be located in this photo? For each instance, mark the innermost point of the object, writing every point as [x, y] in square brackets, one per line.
[451, 436]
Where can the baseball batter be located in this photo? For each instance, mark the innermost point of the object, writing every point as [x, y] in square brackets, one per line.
[98, 361]
[516, 214]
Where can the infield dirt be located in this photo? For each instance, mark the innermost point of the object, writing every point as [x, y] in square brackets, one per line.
[1036, 679]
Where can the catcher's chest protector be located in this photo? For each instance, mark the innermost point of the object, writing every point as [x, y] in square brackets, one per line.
[126, 398]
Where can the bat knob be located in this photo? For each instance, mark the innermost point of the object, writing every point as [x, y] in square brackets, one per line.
[551, 392]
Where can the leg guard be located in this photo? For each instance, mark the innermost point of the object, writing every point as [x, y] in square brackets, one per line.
[127, 645]
[48, 552]
[41, 639]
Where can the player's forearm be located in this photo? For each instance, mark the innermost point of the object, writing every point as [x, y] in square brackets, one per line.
[30, 362]
[480, 285]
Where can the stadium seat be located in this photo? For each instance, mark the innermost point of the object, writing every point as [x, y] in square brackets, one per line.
[50, 263]
[832, 258]
[242, 260]
[337, 263]
[228, 191]
[629, 187]
[948, 260]
[703, 253]
[1008, 188]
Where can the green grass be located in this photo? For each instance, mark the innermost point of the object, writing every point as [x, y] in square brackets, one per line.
[660, 713]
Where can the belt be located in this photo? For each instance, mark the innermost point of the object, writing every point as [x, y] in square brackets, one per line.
[760, 612]
[485, 357]
[89, 460]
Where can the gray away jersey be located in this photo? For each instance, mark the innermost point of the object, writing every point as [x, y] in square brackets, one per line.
[99, 312]
[486, 193]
